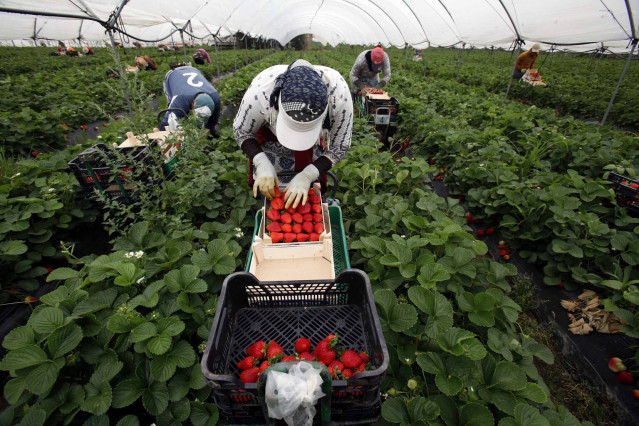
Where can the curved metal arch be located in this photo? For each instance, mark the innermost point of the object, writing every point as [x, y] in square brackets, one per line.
[632, 21]
[511, 20]
[386, 14]
[418, 20]
[453, 30]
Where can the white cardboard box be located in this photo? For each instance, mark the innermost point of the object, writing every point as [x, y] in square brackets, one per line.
[310, 260]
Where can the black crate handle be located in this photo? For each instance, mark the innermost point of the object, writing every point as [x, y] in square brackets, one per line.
[164, 111]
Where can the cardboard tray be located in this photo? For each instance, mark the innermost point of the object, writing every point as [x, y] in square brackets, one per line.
[310, 260]
[168, 150]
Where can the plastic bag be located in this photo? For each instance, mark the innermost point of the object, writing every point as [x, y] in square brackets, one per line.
[173, 122]
[292, 397]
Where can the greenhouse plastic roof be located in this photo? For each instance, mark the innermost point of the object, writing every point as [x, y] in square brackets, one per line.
[574, 24]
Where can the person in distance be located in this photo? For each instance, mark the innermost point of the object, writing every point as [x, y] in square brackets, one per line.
[187, 90]
[295, 118]
[365, 71]
[200, 56]
[526, 61]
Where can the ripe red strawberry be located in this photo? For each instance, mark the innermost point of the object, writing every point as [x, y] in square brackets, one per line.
[336, 365]
[277, 203]
[304, 209]
[324, 353]
[332, 340]
[246, 363]
[439, 177]
[362, 367]
[635, 393]
[302, 237]
[273, 350]
[318, 228]
[306, 356]
[616, 365]
[274, 227]
[307, 227]
[469, 219]
[314, 236]
[277, 192]
[311, 191]
[286, 218]
[297, 228]
[287, 228]
[277, 237]
[501, 246]
[315, 199]
[264, 365]
[308, 217]
[347, 373]
[350, 359]
[302, 345]
[364, 356]
[332, 371]
[625, 377]
[318, 218]
[288, 358]
[503, 252]
[36, 153]
[461, 198]
[561, 284]
[317, 208]
[490, 231]
[431, 161]
[480, 233]
[274, 215]
[298, 218]
[256, 350]
[289, 237]
[250, 375]
[291, 210]
[634, 185]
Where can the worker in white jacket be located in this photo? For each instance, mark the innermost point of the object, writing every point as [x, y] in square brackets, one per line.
[294, 118]
[365, 71]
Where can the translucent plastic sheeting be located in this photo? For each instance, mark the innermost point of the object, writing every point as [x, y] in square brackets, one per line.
[416, 23]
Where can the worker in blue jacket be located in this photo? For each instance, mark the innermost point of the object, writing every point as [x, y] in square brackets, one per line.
[187, 89]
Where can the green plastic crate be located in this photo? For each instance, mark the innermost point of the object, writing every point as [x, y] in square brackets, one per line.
[340, 251]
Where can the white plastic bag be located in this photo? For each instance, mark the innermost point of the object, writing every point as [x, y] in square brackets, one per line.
[292, 397]
[173, 122]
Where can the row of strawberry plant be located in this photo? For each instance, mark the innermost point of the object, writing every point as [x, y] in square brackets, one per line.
[58, 94]
[118, 339]
[579, 84]
[538, 178]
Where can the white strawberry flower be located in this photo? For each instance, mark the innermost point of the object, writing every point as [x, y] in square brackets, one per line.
[139, 254]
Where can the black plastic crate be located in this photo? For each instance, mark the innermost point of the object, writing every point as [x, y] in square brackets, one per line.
[249, 310]
[94, 169]
[378, 108]
[625, 195]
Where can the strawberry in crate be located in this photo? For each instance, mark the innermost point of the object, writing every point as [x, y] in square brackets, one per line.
[300, 224]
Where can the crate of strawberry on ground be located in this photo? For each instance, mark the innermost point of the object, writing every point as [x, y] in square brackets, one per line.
[259, 324]
[626, 191]
[296, 240]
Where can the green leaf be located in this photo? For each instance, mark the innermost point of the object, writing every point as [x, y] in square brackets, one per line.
[102, 420]
[98, 398]
[474, 349]
[448, 384]
[14, 388]
[183, 354]
[163, 367]
[525, 415]
[60, 274]
[13, 248]
[171, 326]
[402, 317]
[142, 332]
[386, 299]
[422, 410]
[55, 297]
[64, 340]
[432, 362]
[155, 398]
[533, 392]
[129, 420]
[475, 414]
[98, 301]
[508, 376]
[203, 414]
[43, 377]
[218, 257]
[179, 386]
[23, 357]
[159, 344]
[180, 410]
[46, 320]
[394, 410]
[503, 400]
[401, 252]
[19, 337]
[119, 323]
[450, 340]
[462, 256]
[34, 417]
[127, 392]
